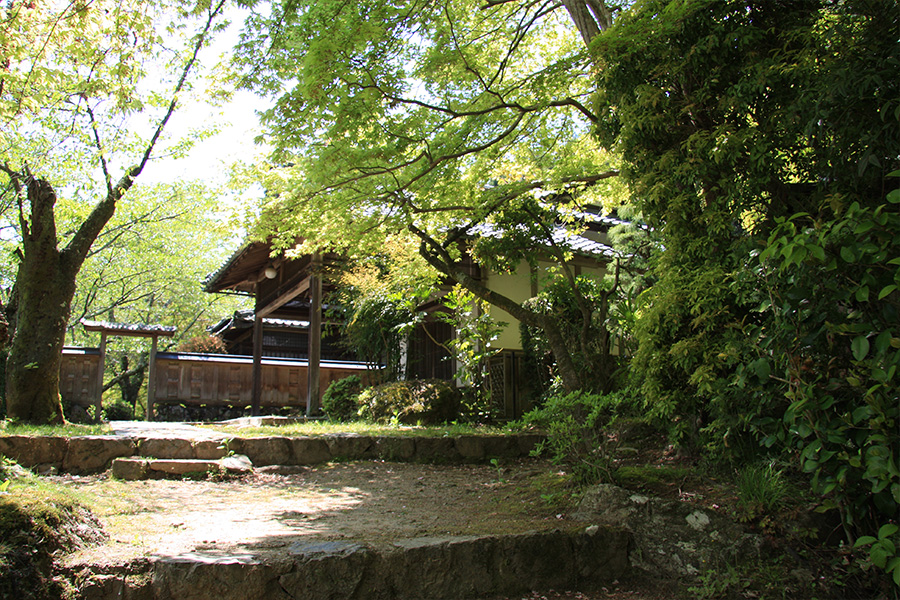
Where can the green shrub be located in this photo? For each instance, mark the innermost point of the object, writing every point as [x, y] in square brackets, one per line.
[425, 402]
[341, 400]
[575, 425]
[118, 411]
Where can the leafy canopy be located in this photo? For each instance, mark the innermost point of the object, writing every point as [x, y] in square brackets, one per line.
[416, 112]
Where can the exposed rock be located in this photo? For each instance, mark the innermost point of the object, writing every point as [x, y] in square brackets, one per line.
[198, 576]
[673, 539]
[351, 445]
[183, 466]
[470, 447]
[236, 464]
[30, 451]
[500, 446]
[209, 449]
[268, 450]
[528, 442]
[310, 450]
[452, 567]
[91, 454]
[165, 448]
[395, 448]
[130, 469]
[431, 449]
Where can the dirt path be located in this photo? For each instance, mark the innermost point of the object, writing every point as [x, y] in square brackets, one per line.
[374, 502]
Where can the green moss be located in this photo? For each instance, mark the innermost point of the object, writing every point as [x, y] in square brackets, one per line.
[37, 522]
[652, 477]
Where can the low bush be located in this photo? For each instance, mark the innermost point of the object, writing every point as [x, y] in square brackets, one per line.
[203, 344]
[341, 400]
[425, 402]
[575, 425]
[118, 411]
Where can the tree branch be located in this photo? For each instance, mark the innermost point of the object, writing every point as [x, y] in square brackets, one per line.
[75, 252]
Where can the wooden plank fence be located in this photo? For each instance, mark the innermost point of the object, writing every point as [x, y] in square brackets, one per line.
[79, 381]
[206, 379]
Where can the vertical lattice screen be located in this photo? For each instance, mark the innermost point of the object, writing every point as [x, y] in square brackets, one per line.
[497, 385]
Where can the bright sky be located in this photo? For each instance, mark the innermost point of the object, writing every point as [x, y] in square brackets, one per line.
[238, 123]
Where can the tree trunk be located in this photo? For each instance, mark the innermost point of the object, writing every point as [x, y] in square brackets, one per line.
[45, 293]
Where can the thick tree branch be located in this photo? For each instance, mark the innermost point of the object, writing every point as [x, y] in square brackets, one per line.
[76, 250]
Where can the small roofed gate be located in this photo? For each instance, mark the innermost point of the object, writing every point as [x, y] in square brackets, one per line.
[227, 380]
[81, 369]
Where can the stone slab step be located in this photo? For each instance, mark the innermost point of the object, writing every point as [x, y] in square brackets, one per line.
[136, 468]
[453, 567]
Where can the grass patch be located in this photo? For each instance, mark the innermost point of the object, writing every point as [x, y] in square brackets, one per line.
[68, 430]
[321, 428]
[300, 428]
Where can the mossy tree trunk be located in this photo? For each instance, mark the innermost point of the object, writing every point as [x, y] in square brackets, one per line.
[45, 283]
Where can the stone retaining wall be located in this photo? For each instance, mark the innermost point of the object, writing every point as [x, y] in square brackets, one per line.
[92, 454]
[420, 568]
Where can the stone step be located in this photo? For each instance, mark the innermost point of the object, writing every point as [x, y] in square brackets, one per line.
[132, 469]
[453, 567]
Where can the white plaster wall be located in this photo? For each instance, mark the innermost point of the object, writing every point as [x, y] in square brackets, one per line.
[517, 286]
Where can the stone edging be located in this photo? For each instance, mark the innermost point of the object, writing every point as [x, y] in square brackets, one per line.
[93, 454]
[422, 568]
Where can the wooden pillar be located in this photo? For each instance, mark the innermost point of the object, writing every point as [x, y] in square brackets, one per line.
[256, 396]
[151, 379]
[98, 401]
[315, 335]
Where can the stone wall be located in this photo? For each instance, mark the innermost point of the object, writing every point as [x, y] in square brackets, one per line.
[92, 454]
[420, 568]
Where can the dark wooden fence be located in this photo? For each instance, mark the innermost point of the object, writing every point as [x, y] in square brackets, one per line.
[211, 379]
[206, 379]
[79, 376]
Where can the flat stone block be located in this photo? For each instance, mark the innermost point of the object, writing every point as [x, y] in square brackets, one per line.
[165, 448]
[528, 442]
[470, 447]
[236, 464]
[209, 449]
[395, 448]
[174, 466]
[310, 450]
[217, 576]
[351, 445]
[268, 450]
[30, 451]
[429, 449]
[90, 454]
[502, 446]
[130, 469]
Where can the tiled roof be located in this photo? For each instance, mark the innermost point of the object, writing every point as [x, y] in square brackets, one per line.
[244, 318]
[128, 328]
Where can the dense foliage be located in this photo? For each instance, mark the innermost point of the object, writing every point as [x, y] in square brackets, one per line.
[72, 77]
[759, 138]
[756, 139]
[340, 402]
